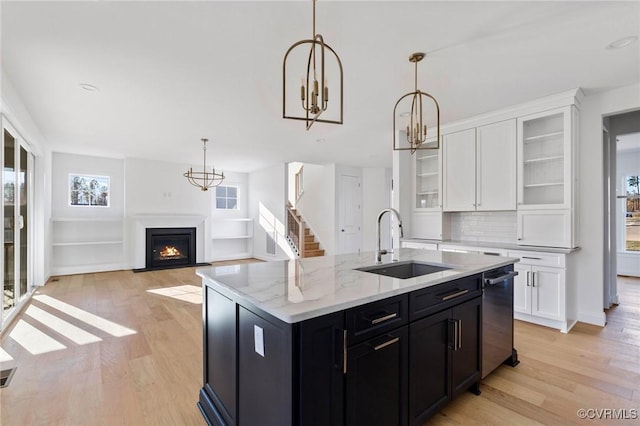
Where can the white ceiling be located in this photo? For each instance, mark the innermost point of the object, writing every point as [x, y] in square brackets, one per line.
[170, 73]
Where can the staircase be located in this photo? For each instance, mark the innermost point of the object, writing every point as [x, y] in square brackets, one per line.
[300, 237]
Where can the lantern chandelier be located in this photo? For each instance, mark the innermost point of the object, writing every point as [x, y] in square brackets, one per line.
[417, 128]
[204, 179]
[314, 91]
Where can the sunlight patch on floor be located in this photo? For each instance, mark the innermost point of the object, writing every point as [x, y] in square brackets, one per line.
[186, 293]
[34, 340]
[4, 356]
[68, 330]
[103, 324]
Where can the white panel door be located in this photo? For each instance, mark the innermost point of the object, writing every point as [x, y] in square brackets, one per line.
[522, 289]
[349, 214]
[459, 171]
[496, 166]
[547, 286]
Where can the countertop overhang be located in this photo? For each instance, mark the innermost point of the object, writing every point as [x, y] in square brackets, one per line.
[300, 289]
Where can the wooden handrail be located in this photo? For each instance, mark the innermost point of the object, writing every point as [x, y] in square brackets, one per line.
[295, 229]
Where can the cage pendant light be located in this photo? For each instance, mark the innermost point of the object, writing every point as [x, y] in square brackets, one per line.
[314, 89]
[204, 179]
[416, 130]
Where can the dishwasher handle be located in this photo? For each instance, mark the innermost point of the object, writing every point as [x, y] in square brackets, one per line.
[496, 280]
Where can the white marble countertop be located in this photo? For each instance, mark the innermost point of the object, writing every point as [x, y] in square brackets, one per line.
[300, 289]
[486, 244]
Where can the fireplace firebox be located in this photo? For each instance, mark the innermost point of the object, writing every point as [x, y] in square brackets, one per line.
[170, 248]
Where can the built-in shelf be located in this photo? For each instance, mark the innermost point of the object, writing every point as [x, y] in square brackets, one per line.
[539, 185]
[89, 219]
[547, 135]
[544, 159]
[424, 157]
[428, 193]
[231, 238]
[234, 237]
[86, 243]
[428, 174]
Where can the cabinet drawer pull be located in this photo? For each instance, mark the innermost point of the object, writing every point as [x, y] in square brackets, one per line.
[532, 258]
[384, 318]
[385, 344]
[455, 294]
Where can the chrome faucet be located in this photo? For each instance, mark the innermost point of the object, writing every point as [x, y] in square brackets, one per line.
[379, 251]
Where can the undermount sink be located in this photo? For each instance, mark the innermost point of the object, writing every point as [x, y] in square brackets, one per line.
[403, 270]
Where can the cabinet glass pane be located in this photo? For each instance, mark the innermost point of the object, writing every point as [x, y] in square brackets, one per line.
[427, 179]
[543, 160]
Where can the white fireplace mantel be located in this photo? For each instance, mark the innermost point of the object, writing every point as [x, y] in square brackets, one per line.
[140, 222]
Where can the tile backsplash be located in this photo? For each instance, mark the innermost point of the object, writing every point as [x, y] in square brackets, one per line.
[495, 227]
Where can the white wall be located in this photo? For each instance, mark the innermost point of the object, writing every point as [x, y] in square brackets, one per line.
[376, 195]
[318, 204]
[64, 164]
[157, 195]
[14, 112]
[590, 258]
[267, 200]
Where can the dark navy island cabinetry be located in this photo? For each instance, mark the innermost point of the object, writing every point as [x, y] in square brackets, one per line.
[394, 361]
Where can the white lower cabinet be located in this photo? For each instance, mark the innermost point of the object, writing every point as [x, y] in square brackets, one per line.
[420, 246]
[540, 290]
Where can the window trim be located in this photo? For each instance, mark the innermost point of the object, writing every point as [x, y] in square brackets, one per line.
[237, 197]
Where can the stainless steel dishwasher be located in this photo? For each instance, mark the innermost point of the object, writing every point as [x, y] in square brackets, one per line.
[497, 319]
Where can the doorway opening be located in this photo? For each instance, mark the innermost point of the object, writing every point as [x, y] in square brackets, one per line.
[621, 141]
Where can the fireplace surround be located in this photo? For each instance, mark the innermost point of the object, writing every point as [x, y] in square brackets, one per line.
[170, 248]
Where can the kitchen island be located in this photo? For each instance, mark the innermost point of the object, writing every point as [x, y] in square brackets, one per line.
[317, 342]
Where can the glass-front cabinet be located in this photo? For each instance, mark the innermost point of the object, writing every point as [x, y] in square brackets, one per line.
[547, 153]
[428, 183]
[544, 153]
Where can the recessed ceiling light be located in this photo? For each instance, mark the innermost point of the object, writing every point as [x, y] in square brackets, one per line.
[321, 140]
[623, 42]
[404, 114]
[89, 87]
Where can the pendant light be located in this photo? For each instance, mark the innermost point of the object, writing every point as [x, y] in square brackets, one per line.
[314, 89]
[204, 179]
[416, 129]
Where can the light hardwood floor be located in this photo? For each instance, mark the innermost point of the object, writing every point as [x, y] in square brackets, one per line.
[121, 348]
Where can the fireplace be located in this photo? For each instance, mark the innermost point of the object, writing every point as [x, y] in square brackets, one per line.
[170, 248]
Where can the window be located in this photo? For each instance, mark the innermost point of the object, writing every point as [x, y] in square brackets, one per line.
[87, 190]
[227, 197]
[632, 213]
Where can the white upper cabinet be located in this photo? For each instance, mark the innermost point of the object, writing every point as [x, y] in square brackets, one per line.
[544, 160]
[479, 167]
[546, 173]
[428, 179]
[496, 166]
[459, 170]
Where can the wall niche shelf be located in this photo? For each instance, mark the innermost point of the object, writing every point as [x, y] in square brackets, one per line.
[232, 238]
[82, 245]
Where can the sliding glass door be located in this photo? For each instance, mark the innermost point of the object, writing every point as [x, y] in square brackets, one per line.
[17, 164]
